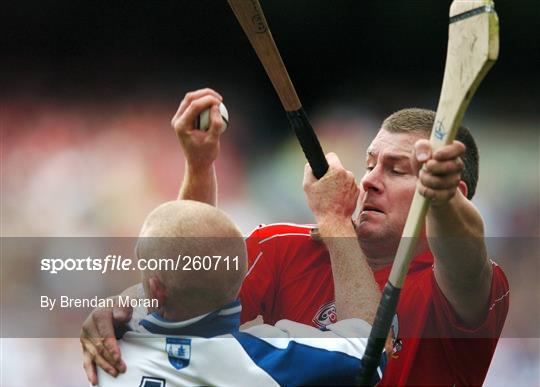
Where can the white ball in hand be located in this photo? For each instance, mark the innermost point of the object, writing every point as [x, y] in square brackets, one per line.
[203, 120]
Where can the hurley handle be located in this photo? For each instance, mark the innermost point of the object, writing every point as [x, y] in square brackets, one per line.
[308, 141]
[379, 333]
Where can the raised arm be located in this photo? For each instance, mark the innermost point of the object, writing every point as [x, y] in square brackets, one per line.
[455, 232]
[200, 148]
[333, 200]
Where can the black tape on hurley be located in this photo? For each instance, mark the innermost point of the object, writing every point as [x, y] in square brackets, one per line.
[308, 141]
[378, 335]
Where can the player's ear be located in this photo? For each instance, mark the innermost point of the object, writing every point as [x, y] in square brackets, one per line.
[157, 290]
[462, 186]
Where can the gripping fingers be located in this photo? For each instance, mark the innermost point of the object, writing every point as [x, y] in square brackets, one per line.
[217, 124]
[449, 152]
[193, 95]
[111, 353]
[184, 121]
[91, 353]
[444, 167]
[90, 368]
[333, 163]
[436, 196]
[195, 108]
[439, 182]
[105, 365]
[104, 339]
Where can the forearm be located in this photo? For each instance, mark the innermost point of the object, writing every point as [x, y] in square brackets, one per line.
[455, 232]
[356, 292]
[199, 185]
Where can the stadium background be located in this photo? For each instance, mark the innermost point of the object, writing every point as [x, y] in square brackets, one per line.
[88, 90]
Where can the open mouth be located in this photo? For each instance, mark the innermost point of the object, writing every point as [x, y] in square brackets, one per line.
[371, 208]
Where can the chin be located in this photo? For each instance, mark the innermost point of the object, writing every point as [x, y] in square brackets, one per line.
[371, 233]
[366, 231]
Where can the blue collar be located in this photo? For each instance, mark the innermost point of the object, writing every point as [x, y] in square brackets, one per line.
[219, 322]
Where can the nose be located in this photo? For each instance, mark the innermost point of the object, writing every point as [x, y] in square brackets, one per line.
[372, 180]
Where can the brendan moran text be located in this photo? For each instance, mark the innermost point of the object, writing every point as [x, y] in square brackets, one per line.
[51, 303]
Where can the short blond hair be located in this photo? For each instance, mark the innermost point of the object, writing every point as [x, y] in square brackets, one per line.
[193, 229]
[410, 120]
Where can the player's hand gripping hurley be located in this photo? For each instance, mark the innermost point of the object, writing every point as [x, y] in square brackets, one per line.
[473, 47]
[251, 17]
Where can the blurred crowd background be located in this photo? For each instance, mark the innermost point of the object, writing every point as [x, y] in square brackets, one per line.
[88, 91]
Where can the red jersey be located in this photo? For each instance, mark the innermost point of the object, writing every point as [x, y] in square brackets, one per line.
[290, 277]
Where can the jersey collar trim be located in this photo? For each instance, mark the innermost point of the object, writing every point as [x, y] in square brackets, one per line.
[219, 322]
[420, 262]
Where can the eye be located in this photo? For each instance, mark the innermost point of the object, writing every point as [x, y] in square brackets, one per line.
[369, 168]
[398, 173]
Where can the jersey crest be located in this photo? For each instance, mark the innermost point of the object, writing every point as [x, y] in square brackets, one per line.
[397, 343]
[179, 351]
[326, 315]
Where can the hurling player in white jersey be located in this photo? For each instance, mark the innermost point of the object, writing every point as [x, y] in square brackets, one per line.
[193, 336]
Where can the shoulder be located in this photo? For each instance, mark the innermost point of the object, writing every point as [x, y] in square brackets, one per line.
[500, 290]
[265, 232]
[499, 278]
[284, 249]
[265, 237]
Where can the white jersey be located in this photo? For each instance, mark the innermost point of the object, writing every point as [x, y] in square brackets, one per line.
[210, 350]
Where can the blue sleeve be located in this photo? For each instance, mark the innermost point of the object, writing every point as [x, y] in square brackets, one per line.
[300, 364]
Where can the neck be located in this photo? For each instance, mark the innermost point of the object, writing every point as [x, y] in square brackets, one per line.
[381, 254]
[188, 310]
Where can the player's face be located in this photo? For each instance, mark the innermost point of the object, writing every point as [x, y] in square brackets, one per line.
[387, 187]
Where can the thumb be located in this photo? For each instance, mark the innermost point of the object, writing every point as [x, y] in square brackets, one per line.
[309, 178]
[422, 150]
[333, 160]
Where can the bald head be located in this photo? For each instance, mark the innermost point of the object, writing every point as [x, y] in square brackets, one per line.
[191, 229]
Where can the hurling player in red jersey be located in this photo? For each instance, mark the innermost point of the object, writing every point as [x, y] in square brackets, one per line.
[454, 301]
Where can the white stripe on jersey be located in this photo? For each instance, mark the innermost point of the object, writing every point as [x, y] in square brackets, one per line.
[254, 263]
[285, 234]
